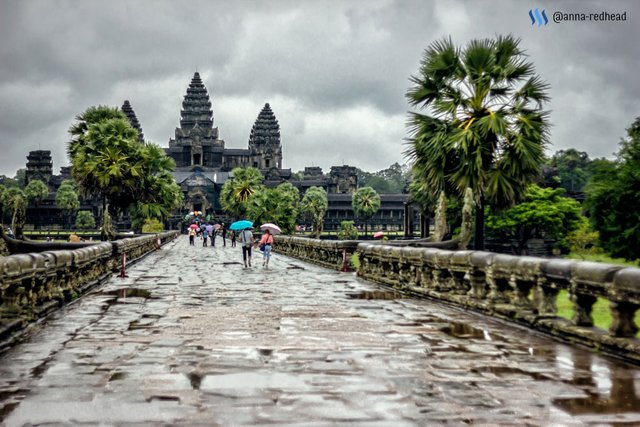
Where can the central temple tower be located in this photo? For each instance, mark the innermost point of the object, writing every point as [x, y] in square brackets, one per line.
[196, 144]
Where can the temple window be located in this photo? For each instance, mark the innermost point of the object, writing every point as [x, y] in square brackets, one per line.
[196, 159]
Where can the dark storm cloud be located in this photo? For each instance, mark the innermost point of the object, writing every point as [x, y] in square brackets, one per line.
[334, 72]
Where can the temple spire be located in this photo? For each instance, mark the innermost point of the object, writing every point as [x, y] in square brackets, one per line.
[196, 107]
[264, 141]
[131, 115]
[266, 129]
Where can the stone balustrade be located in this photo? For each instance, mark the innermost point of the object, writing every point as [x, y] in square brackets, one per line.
[518, 288]
[334, 254]
[33, 284]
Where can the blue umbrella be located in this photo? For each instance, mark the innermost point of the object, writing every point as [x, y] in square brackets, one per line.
[240, 225]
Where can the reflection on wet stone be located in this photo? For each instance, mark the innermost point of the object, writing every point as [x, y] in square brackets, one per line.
[192, 338]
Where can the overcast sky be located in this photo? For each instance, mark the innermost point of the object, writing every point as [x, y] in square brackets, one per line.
[334, 72]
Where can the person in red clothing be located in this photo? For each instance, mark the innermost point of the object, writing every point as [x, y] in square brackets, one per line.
[267, 241]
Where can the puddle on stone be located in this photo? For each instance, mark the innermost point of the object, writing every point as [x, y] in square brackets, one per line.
[164, 398]
[117, 376]
[7, 409]
[377, 294]
[195, 379]
[265, 351]
[502, 371]
[621, 398]
[39, 370]
[129, 293]
[231, 263]
[463, 330]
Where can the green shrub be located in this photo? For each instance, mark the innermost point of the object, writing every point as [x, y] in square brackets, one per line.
[152, 225]
[347, 231]
[85, 220]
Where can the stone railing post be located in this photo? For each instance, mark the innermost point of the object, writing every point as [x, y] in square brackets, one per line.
[589, 279]
[500, 277]
[478, 275]
[625, 301]
[460, 270]
[556, 275]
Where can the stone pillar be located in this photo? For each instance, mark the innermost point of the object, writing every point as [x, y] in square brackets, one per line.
[582, 307]
[623, 324]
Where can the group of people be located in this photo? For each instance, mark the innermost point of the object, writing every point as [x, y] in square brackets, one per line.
[209, 232]
[248, 242]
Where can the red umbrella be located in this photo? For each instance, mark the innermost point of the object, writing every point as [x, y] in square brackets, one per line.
[378, 234]
[194, 226]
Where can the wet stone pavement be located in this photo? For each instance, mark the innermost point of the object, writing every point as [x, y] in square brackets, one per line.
[193, 338]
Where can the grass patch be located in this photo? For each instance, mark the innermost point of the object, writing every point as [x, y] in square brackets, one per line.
[603, 258]
[600, 311]
[355, 261]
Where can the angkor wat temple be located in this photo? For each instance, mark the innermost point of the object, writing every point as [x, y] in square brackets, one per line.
[204, 163]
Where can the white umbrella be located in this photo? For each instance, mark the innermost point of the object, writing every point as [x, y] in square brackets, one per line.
[274, 229]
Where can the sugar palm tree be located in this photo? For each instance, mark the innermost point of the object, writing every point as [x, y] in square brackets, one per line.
[314, 206]
[67, 199]
[485, 128]
[105, 165]
[365, 203]
[80, 128]
[237, 191]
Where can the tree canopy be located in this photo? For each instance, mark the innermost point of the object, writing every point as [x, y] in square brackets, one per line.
[276, 205]
[109, 162]
[85, 220]
[485, 128]
[238, 190]
[36, 191]
[544, 213]
[613, 198]
[365, 203]
[314, 206]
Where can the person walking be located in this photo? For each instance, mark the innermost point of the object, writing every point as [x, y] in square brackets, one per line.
[267, 241]
[205, 236]
[233, 239]
[224, 235]
[211, 231]
[247, 240]
[192, 236]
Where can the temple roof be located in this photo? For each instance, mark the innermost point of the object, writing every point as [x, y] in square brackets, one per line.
[200, 177]
[266, 129]
[196, 107]
[131, 115]
[236, 152]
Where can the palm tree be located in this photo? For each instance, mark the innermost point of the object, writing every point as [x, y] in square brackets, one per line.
[277, 205]
[486, 129]
[237, 191]
[107, 163]
[67, 199]
[365, 202]
[314, 205]
[9, 198]
[92, 115]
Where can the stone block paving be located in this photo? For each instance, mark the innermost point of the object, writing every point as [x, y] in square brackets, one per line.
[193, 338]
